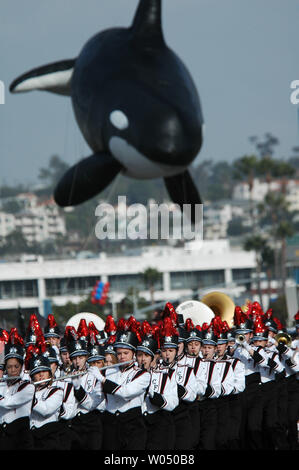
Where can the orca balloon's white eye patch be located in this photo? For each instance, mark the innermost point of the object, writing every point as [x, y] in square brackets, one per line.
[119, 119]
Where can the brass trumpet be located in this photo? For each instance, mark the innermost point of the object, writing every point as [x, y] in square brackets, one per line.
[240, 338]
[284, 338]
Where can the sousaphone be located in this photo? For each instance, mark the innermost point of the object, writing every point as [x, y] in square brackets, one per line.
[221, 305]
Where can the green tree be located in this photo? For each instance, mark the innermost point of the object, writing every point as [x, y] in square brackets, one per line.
[245, 169]
[151, 277]
[257, 244]
[55, 170]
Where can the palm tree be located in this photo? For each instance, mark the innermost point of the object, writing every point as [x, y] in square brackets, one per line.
[150, 278]
[268, 262]
[284, 230]
[245, 168]
[257, 244]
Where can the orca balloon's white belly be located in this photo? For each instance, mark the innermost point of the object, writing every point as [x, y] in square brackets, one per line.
[136, 164]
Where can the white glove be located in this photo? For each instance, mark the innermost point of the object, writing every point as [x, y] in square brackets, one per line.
[76, 383]
[246, 346]
[96, 373]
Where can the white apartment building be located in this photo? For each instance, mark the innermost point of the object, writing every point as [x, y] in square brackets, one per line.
[38, 221]
[261, 188]
[206, 266]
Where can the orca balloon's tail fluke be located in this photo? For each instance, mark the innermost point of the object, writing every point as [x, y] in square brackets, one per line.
[182, 190]
[86, 179]
[55, 77]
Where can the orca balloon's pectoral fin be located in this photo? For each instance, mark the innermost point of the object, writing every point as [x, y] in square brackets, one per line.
[86, 179]
[55, 77]
[182, 190]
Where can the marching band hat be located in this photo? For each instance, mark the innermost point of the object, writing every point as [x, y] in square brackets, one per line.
[14, 350]
[169, 334]
[109, 349]
[51, 354]
[194, 335]
[76, 345]
[208, 335]
[38, 364]
[14, 346]
[126, 339]
[96, 353]
[223, 338]
[77, 348]
[63, 345]
[183, 334]
[51, 330]
[271, 325]
[149, 345]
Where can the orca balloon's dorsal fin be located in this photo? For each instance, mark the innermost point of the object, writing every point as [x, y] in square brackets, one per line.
[147, 23]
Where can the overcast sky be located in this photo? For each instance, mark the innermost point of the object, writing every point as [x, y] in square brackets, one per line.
[242, 54]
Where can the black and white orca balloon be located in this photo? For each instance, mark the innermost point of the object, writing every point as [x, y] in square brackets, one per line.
[136, 105]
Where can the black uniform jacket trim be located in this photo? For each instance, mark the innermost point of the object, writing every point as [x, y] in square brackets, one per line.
[80, 394]
[110, 387]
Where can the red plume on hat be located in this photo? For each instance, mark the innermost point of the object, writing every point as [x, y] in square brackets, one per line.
[135, 328]
[110, 327]
[268, 315]
[278, 323]
[169, 311]
[239, 316]
[15, 338]
[122, 325]
[111, 339]
[168, 329]
[70, 334]
[92, 333]
[51, 321]
[82, 329]
[296, 317]
[205, 326]
[41, 344]
[30, 352]
[189, 325]
[34, 325]
[4, 336]
[146, 329]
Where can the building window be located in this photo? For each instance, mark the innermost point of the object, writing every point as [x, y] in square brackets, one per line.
[13, 289]
[122, 283]
[241, 274]
[196, 279]
[70, 286]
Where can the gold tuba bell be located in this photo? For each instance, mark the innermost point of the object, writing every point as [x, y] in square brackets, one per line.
[284, 338]
[222, 305]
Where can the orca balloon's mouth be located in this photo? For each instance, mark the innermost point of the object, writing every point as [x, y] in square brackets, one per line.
[138, 165]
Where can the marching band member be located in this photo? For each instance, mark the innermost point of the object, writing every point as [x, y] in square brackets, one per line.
[291, 364]
[235, 405]
[15, 398]
[65, 361]
[52, 333]
[124, 388]
[251, 426]
[268, 385]
[226, 373]
[192, 338]
[85, 423]
[186, 383]
[46, 405]
[208, 409]
[162, 397]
